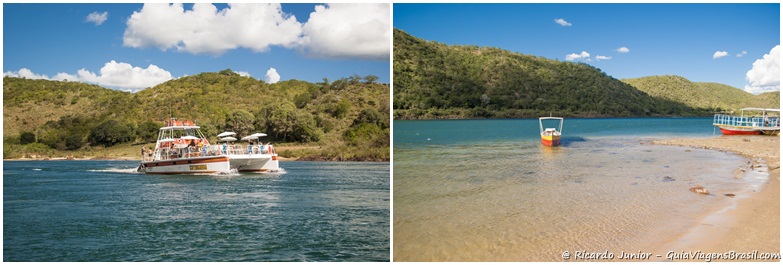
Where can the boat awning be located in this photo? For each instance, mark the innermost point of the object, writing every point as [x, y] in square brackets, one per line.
[189, 137]
[228, 139]
[258, 135]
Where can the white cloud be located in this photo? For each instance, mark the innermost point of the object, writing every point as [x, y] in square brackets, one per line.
[207, 30]
[562, 22]
[765, 74]
[112, 74]
[719, 54]
[623, 50]
[243, 73]
[25, 73]
[97, 18]
[574, 56]
[742, 53]
[601, 57]
[272, 76]
[348, 30]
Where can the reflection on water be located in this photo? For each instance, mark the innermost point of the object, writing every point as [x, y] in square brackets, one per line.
[521, 201]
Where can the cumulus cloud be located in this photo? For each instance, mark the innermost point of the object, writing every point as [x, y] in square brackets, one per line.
[25, 73]
[764, 76]
[97, 18]
[601, 57]
[574, 56]
[742, 54]
[272, 76]
[333, 30]
[562, 22]
[207, 30]
[112, 74]
[719, 54]
[348, 31]
[623, 49]
[243, 73]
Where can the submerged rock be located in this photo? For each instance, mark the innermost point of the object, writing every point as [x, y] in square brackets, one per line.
[668, 179]
[730, 195]
[700, 190]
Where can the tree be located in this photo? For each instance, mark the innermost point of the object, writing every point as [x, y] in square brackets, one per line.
[148, 131]
[241, 122]
[73, 142]
[302, 100]
[370, 79]
[27, 137]
[110, 133]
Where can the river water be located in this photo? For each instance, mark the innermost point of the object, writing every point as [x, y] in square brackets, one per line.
[104, 211]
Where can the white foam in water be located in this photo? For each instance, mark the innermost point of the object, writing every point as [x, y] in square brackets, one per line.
[36, 169]
[117, 170]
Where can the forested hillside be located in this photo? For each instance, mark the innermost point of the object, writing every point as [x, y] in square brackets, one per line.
[347, 119]
[434, 80]
[714, 96]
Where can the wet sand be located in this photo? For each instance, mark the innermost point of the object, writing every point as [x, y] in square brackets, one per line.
[752, 223]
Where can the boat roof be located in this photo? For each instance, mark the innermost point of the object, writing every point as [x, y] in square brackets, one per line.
[179, 127]
[550, 118]
[761, 109]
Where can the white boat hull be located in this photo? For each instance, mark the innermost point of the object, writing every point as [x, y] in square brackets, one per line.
[193, 165]
[254, 163]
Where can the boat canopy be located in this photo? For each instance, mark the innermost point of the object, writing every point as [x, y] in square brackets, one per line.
[228, 139]
[258, 135]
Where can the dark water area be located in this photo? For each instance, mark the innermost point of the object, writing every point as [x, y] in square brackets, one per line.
[104, 211]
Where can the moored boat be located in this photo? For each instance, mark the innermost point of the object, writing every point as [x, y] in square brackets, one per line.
[254, 157]
[750, 124]
[181, 148]
[550, 136]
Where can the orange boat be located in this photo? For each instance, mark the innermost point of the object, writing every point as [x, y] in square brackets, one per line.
[550, 136]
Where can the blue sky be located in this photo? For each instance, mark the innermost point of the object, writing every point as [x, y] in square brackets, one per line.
[134, 46]
[722, 43]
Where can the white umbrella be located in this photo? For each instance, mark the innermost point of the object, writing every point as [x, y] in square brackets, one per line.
[226, 134]
[228, 139]
[258, 135]
[249, 137]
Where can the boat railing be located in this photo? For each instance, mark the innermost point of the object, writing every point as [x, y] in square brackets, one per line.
[167, 153]
[740, 121]
[247, 150]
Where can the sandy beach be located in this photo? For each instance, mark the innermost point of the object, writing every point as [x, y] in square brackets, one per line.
[752, 223]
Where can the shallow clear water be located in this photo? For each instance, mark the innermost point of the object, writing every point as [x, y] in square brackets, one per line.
[488, 190]
[103, 211]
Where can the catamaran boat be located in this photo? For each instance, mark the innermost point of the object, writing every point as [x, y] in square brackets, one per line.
[550, 136]
[255, 157]
[764, 124]
[181, 148]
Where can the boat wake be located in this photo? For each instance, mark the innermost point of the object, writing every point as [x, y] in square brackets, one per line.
[117, 170]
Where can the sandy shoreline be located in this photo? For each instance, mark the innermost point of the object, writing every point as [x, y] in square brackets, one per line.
[752, 223]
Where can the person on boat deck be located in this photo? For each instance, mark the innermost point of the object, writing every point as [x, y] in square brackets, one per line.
[143, 151]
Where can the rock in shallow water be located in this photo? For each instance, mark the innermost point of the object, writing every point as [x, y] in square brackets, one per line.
[700, 190]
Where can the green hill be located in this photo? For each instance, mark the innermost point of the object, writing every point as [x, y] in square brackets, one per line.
[714, 96]
[347, 119]
[434, 80]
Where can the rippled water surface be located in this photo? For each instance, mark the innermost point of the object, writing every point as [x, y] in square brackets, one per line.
[103, 211]
[488, 190]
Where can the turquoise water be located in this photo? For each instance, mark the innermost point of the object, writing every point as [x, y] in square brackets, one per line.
[103, 211]
[488, 190]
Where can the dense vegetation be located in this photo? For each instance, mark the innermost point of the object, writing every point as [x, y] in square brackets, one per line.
[341, 120]
[434, 80]
[713, 96]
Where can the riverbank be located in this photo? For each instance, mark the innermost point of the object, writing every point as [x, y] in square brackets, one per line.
[752, 223]
[286, 152]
